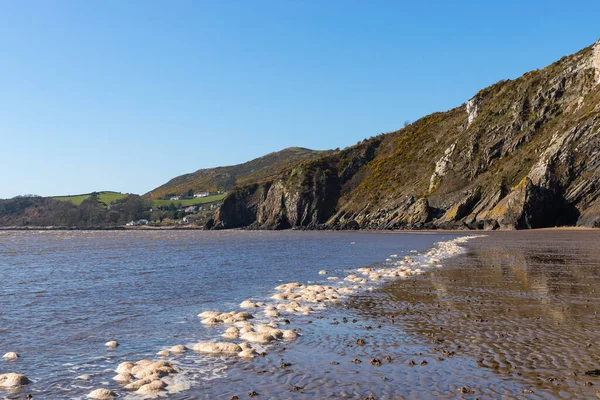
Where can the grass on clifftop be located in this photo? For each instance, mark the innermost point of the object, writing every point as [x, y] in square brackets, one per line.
[189, 202]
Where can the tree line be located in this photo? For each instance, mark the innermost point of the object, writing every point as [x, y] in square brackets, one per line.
[45, 211]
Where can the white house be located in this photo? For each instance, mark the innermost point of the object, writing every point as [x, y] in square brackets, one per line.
[202, 194]
[139, 222]
[188, 219]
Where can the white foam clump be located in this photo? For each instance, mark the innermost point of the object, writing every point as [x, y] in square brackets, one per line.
[242, 350]
[155, 387]
[11, 356]
[231, 333]
[178, 348]
[146, 377]
[12, 379]
[217, 348]
[297, 294]
[272, 313]
[215, 317]
[248, 304]
[289, 334]
[261, 334]
[247, 351]
[102, 394]
[257, 337]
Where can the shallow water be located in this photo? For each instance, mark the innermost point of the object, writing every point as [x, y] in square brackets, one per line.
[64, 294]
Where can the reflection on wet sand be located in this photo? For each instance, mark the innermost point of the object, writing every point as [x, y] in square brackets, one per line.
[524, 305]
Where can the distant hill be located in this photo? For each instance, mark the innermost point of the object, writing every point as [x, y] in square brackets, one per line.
[225, 178]
[104, 197]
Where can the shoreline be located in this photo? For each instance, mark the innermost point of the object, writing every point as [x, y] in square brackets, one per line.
[256, 328]
[195, 228]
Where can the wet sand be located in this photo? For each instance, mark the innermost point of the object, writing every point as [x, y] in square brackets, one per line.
[523, 305]
[514, 317]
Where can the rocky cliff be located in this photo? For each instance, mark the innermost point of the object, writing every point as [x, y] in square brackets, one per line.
[522, 153]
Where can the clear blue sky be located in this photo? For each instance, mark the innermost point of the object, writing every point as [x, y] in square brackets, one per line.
[124, 95]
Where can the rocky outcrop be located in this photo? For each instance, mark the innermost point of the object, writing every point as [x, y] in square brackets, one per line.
[472, 109]
[527, 206]
[461, 209]
[240, 207]
[590, 217]
[305, 196]
[442, 166]
[520, 154]
[596, 60]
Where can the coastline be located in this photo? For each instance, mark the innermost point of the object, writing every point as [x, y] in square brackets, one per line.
[199, 228]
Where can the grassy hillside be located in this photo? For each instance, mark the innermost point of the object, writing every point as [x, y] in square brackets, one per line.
[104, 197]
[108, 197]
[225, 178]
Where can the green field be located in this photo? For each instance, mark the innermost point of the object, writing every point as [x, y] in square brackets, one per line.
[104, 197]
[109, 197]
[189, 202]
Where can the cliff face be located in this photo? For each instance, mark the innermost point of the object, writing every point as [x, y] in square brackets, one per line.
[306, 195]
[519, 154]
